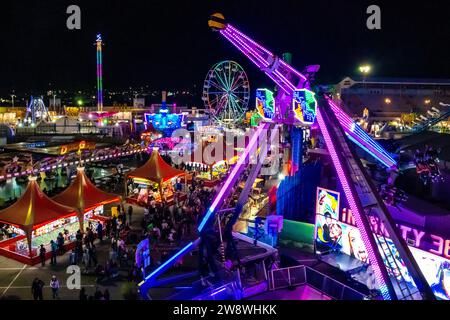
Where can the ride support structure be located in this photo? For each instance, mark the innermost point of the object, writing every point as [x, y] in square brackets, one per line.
[338, 130]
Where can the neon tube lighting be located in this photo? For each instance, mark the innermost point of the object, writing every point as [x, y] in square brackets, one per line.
[65, 164]
[228, 37]
[218, 291]
[99, 73]
[248, 39]
[361, 137]
[165, 265]
[256, 55]
[265, 50]
[263, 62]
[279, 83]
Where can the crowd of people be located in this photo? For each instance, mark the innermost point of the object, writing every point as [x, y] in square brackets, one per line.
[121, 256]
[170, 224]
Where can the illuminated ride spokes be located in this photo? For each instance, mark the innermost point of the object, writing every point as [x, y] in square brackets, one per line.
[37, 111]
[226, 92]
[293, 107]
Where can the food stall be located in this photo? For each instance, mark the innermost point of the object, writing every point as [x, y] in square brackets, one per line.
[36, 220]
[87, 199]
[209, 174]
[155, 179]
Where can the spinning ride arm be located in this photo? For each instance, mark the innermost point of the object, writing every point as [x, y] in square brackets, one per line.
[288, 80]
[335, 124]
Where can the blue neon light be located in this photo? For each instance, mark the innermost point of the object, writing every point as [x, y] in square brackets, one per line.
[366, 149]
[166, 264]
[218, 291]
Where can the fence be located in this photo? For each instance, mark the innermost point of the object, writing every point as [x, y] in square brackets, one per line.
[304, 275]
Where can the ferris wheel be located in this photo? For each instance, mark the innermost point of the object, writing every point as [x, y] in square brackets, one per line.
[226, 92]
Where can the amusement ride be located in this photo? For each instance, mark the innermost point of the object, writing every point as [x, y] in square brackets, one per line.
[297, 107]
[226, 92]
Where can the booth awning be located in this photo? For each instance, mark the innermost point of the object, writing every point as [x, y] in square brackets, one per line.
[156, 170]
[83, 195]
[34, 208]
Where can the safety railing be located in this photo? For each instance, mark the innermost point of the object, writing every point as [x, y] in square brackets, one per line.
[304, 275]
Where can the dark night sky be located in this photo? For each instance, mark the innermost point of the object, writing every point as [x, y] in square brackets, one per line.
[167, 44]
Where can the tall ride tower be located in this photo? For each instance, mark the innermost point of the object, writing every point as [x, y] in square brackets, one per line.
[99, 44]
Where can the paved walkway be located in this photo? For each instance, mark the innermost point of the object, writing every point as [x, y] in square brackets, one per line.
[16, 278]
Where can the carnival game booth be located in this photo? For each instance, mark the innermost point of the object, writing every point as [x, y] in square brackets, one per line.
[87, 199]
[36, 219]
[155, 179]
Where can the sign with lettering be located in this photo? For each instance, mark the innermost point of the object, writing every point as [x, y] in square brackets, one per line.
[81, 145]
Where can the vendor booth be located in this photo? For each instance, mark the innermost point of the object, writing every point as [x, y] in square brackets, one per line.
[36, 219]
[210, 169]
[86, 198]
[155, 180]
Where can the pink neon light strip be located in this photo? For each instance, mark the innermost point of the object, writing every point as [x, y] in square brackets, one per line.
[233, 175]
[353, 206]
[260, 65]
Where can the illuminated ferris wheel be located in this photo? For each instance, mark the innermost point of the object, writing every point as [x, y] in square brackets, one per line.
[226, 92]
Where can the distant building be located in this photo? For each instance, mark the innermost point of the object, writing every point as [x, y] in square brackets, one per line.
[391, 97]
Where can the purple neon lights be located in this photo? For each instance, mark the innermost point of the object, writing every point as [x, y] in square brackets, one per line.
[353, 206]
[251, 58]
[262, 64]
[231, 179]
[357, 134]
[248, 39]
[360, 137]
[99, 73]
[286, 65]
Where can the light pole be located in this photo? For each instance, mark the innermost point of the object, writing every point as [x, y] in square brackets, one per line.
[365, 70]
[12, 99]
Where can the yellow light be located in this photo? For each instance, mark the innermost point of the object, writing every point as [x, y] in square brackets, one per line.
[427, 101]
[387, 101]
[365, 69]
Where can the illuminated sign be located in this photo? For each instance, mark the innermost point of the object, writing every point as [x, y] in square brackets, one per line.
[327, 201]
[339, 233]
[265, 103]
[77, 146]
[164, 122]
[304, 105]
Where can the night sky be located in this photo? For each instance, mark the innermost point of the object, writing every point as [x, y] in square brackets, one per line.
[167, 44]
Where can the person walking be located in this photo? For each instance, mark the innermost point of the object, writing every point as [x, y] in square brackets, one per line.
[93, 254]
[130, 213]
[36, 289]
[90, 236]
[86, 260]
[54, 285]
[42, 252]
[108, 228]
[54, 248]
[100, 231]
[60, 242]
